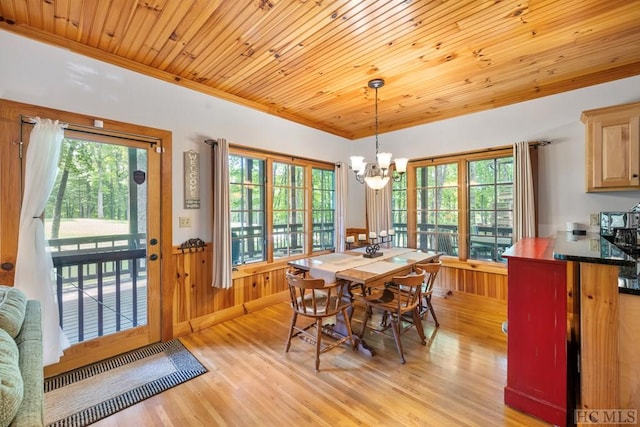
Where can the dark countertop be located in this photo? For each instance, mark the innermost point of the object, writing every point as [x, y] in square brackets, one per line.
[596, 249]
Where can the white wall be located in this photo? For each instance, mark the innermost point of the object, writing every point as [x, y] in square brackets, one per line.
[40, 74]
[562, 164]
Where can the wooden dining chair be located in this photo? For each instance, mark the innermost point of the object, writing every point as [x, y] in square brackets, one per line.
[320, 303]
[399, 298]
[431, 272]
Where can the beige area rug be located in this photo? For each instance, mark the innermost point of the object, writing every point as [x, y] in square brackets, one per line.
[86, 395]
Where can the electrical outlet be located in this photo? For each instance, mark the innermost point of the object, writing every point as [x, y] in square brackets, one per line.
[184, 222]
[594, 219]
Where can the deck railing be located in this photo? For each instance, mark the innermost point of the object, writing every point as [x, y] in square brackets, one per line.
[101, 284]
[249, 243]
[102, 280]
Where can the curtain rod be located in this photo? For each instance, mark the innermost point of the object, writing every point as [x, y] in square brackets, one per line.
[542, 143]
[534, 144]
[98, 130]
[213, 142]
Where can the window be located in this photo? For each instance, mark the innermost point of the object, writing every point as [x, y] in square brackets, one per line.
[437, 208]
[463, 204]
[323, 196]
[246, 190]
[292, 213]
[399, 211]
[490, 207]
[289, 210]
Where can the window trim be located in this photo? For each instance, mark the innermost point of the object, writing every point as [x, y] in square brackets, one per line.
[462, 160]
[269, 158]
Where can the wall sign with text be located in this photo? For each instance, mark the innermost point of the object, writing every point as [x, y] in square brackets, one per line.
[191, 180]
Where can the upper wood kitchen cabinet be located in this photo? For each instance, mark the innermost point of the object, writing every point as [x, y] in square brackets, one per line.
[613, 148]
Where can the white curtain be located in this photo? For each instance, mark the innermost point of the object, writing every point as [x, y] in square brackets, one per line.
[342, 175]
[524, 209]
[378, 208]
[34, 266]
[221, 215]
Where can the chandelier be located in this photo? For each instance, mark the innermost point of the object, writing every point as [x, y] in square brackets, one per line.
[376, 175]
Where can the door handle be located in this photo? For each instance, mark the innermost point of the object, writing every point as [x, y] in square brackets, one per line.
[6, 266]
[153, 257]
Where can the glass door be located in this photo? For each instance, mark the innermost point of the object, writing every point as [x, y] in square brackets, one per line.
[103, 228]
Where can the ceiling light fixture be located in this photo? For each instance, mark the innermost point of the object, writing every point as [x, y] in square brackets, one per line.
[376, 175]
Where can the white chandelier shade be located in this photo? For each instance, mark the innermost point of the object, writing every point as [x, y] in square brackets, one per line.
[376, 182]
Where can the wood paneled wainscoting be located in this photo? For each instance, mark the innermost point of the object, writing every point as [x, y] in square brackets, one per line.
[485, 279]
[197, 305]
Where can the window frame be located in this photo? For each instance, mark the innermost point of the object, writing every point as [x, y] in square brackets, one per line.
[438, 232]
[263, 186]
[400, 208]
[498, 244]
[462, 160]
[270, 158]
[323, 192]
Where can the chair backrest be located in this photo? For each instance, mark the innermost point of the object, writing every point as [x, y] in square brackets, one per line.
[312, 297]
[431, 270]
[446, 244]
[408, 289]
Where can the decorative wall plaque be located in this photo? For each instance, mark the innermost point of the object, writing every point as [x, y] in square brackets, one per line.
[191, 180]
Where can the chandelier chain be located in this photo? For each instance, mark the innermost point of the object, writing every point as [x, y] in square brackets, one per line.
[377, 174]
[376, 113]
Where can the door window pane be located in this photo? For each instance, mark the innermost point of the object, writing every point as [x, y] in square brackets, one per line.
[96, 224]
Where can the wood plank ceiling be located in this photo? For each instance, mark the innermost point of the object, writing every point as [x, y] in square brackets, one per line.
[310, 60]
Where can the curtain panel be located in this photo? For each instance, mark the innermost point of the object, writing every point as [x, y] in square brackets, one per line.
[378, 204]
[221, 227]
[34, 266]
[524, 209]
[342, 196]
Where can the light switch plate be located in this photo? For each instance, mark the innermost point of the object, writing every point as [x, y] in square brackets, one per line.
[594, 218]
[184, 222]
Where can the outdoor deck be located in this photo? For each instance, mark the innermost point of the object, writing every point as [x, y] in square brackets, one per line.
[101, 284]
[96, 322]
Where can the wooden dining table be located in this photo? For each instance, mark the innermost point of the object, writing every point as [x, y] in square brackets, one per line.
[362, 273]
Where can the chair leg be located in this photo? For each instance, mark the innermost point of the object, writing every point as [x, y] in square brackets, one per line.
[384, 321]
[349, 331]
[433, 313]
[294, 316]
[395, 326]
[318, 342]
[367, 315]
[417, 322]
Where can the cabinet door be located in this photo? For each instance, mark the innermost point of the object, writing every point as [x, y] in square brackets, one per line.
[613, 152]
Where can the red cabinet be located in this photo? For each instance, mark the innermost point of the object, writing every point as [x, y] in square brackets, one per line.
[537, 331]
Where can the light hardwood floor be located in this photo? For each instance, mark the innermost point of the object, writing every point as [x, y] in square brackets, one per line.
[456, 380]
